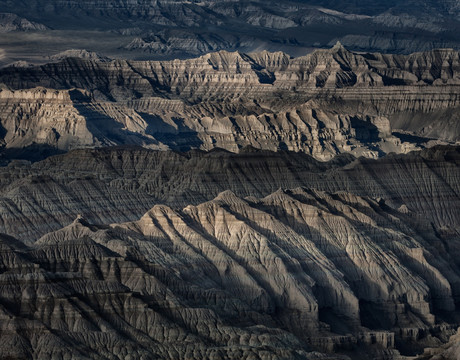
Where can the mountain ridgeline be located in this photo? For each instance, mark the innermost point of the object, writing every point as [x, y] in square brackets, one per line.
[325, 103]
[168, 29]
[121, 183]
[201, 255]
[234, 205]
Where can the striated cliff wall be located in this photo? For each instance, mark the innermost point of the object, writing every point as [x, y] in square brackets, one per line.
[325, 103]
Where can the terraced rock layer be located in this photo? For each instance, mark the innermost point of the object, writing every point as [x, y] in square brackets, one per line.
[325, 103]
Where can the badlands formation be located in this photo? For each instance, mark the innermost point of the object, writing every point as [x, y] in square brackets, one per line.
[168, 29]
[236, 206]
[125, 251]
[325, 103]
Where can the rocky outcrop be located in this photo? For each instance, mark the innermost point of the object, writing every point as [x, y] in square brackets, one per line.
[448, 351]
[326, 103]
[168, 43]
[294, 272]
[67, 119]
[120, 184]
[79, 53]
[209, 25]
[333, 68]
[84, 299]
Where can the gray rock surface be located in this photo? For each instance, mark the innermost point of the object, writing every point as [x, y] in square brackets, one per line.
[11, 22]
[120, 184]
[285, 276]
[178, 28]
[449, 351]
[78, 53]
[325, 103]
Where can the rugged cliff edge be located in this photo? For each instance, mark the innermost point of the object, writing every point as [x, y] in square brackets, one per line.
[325, 103]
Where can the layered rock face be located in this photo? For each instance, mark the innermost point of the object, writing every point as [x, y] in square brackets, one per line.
[289, 275]
[120, 184]
[76, 298]
[449, 351]
[326, 103]
[180, 28]
[125, 251]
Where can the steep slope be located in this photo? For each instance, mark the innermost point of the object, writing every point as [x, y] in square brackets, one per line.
[296, 271]
[325, 103]
[85, 300]
[120, 184]
[448, 351]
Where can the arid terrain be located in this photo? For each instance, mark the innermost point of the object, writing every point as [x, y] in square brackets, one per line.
[35, 31]
[297, 257]
[230, 180]
[326, 103]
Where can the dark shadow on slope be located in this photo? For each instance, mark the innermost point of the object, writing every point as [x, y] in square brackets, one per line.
[156, 125]
[414, 139]
[100, 125]
[340, 323]
[387, 81]
[33, 153]
[372, 314]
[365, 131]
[2, 132]
[180, 138]
[2, 143]
[105, 128]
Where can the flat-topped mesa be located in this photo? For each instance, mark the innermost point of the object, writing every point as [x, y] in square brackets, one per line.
[45, 95]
